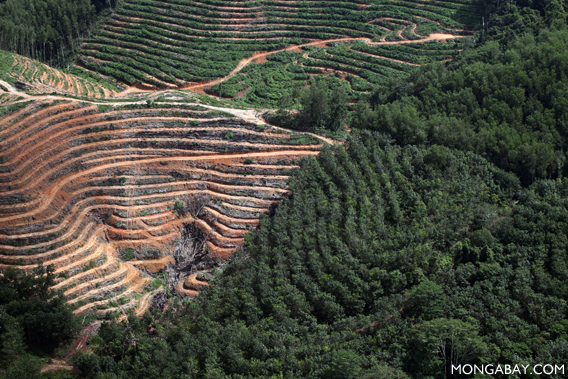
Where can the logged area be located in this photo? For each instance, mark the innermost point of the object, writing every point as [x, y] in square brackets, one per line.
[110, 193]
[354, 189]
[112, 170]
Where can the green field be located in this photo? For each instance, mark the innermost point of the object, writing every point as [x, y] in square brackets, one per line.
[167, 44]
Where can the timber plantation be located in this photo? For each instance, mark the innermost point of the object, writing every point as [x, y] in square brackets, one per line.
[282, 188]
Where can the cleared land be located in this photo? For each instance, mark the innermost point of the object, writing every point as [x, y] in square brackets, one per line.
[36, 78]
[103, 191]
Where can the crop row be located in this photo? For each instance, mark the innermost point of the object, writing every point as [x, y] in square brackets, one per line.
[418, 53]
[362, 66]
[170, 43]
[41, 78]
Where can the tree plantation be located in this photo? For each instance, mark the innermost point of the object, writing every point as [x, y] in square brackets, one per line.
[44, 29]
[370, 189]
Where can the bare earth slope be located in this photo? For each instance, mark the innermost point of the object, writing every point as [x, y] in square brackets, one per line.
[107, 191]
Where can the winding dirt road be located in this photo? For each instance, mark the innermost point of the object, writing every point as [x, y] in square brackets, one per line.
[198, 87]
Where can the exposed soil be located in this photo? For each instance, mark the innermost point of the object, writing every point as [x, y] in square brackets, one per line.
[81, 343]
[80, 217]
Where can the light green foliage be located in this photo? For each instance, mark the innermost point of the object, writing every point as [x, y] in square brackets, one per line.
[178, 42]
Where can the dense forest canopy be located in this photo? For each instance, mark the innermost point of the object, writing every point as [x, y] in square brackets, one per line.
[47, 30]
[32, 318]
[504, 98]
[508, 105]
[448, 234]
[380, 252]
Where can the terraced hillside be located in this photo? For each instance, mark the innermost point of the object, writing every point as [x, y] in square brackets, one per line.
[199, 44]
[358, 65]
[38, 78]
[109, 193]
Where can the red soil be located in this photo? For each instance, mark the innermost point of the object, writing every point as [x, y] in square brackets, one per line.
[73, 220]
[241, 94]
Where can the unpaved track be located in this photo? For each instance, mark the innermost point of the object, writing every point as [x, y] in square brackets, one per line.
[245, 62]
[249, 115]
[84, 337]
[10, 88]
[52, 367]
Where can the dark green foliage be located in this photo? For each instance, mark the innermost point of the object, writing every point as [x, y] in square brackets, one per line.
[11, 339]
[482, 238]
[88, 364]
[60, 374]
[323, 106]
[384, 372]
[31, 316]
[27, 367]
[509, 105]
[127, 254]
[457, 341]
[386, 261]
[344, 364]
[36, 315]
[46, 30]
[427, 300]
[366, 270]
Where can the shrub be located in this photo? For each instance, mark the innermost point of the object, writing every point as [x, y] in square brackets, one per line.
[127, 254]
